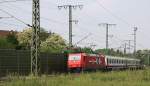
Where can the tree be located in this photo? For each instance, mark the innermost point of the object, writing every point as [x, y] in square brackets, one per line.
[53, 44]
[111, 52]
[144, 56]
[87, 50]
[4, 44]
[9, 42]
[11, 38]
[24, 37]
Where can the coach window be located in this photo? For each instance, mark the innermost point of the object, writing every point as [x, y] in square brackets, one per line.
[115, 61]
[132, 62]
[128, 62]
[107, 61]
[111, 61]
[137, 62]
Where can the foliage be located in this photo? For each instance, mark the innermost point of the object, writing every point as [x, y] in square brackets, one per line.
[50, 42]
[24, 37]
[4, 44]
[53, 44]
[144, 55]
[9, 42]
[87, 50]
[114, 78]
[11, 38]
[72, 50]
[79, 50]
[109, 52]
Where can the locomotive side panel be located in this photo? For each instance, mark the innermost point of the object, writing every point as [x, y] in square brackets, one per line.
[91, 62]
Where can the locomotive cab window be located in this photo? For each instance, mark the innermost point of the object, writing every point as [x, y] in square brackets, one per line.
[75, 58]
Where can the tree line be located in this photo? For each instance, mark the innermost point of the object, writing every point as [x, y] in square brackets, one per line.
[51, 42]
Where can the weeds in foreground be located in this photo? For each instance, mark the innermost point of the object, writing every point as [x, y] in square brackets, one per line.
[114, 78]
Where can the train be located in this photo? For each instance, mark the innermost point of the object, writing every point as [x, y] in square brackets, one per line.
[19, 62]
[83, 61]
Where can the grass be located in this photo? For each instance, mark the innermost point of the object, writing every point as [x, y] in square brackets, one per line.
[114, 78]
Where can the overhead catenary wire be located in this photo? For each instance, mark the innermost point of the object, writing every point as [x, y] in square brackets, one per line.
[114, 15]
[15, 18]
[60, 22]
[9, 1]
[10, 24]
[42, 18]
[56, 21]
[120, 19]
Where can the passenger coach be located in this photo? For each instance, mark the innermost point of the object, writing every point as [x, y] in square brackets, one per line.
[121, 62]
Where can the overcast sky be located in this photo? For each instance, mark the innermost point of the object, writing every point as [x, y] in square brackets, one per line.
[126, 14]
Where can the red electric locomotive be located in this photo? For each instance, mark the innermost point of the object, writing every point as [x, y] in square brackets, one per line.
[83, 61]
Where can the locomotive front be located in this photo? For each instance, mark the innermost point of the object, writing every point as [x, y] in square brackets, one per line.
[74, 62]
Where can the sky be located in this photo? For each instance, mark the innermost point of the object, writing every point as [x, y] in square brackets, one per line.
[126, 14]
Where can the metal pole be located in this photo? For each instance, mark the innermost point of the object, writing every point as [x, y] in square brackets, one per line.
[129, 46]
[135, 29]
[35, 37]
[70, 19]
[148, 59]
[70, 26]
[107, 33]
[125, 48]
[106, 36]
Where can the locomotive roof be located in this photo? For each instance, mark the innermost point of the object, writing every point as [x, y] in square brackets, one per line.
[85, 54]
